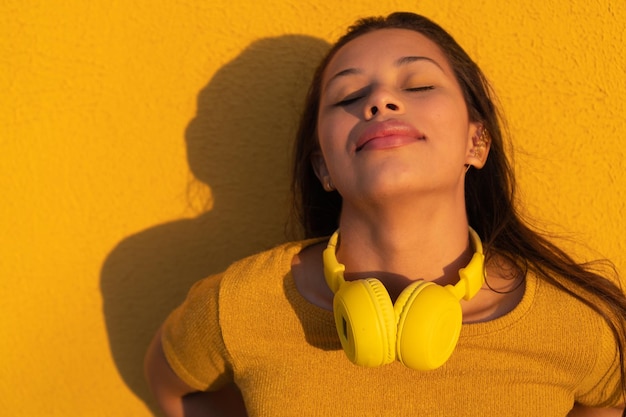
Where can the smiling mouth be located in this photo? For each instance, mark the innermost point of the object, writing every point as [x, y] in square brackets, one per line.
[388, 134]
[389, 142]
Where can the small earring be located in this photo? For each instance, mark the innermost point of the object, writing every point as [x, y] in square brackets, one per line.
[328, 184]
[482, 138]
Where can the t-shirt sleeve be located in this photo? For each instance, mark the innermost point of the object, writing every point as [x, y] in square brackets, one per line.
[192, 338]
[602, 386]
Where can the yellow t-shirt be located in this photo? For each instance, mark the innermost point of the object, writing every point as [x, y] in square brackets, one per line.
[250, 325]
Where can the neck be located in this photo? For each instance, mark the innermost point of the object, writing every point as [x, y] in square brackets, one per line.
[397, 245]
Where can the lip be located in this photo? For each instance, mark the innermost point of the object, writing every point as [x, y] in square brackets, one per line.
[388, 134]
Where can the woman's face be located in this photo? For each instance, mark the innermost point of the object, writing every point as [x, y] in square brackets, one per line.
[392, 119]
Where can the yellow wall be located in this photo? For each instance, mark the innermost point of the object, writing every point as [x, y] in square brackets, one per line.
[144, 145]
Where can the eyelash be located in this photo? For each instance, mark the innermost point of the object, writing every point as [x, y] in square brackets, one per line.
[424, 88]
[348, 101]
[351, 100]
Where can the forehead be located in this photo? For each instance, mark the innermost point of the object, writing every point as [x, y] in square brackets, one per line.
[383, 46]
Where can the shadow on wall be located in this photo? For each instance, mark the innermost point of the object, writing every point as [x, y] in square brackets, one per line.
[239, 144]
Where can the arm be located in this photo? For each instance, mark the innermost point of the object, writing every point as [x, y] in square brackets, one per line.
[166, 387]
[582, 411]
[177, 399]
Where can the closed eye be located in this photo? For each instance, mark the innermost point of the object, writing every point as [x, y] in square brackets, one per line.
[422, 88]
[347, 101]
[352, 96]
[353, 99]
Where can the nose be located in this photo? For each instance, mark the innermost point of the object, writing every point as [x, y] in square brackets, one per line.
[382, 101]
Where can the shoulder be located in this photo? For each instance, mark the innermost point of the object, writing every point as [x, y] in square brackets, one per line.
[567, 305]
[252, 276]
[590, 337]
[266, 265]
[260, 279]
[257, 308]
[568, 312]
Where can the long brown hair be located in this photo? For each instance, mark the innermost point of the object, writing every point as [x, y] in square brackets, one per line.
[489, 192]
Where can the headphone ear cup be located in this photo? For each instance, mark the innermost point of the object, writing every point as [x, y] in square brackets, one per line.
[366, 322]
[429, 324]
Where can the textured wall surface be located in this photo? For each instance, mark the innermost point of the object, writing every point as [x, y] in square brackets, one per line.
[145, 144]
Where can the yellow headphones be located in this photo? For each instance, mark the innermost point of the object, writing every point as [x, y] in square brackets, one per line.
[420, 330]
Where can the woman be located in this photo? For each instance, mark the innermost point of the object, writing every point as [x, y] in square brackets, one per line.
[399, 151]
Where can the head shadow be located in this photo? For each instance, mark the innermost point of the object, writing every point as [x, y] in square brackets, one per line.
[238, 144]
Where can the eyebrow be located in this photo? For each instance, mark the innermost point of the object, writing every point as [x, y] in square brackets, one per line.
[405, 60]
[402, 61]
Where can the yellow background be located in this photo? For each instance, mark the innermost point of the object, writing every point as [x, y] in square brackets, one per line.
[145, 144]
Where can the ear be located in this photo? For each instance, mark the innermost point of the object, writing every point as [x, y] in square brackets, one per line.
[321, 171]
[478, 146]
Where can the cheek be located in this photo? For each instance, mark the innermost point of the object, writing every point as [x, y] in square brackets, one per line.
[331, 131]
[451, 117]
[332, 137]
[449, 106]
